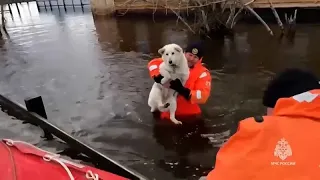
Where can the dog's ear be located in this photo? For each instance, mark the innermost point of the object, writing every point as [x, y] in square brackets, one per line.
[161, 51]
[178, 49]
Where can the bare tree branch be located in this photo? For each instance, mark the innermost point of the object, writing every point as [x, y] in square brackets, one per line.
[260, 19]
[276, 16]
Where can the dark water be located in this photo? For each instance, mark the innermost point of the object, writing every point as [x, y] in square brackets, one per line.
[92, 75]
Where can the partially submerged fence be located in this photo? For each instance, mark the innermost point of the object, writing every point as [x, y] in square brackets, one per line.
[13, 1]
[46, 4]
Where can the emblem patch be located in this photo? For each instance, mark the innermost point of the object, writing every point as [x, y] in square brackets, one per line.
[195, 51]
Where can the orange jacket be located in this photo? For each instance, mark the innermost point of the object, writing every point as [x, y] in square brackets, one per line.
[285, 146]
[199, 83]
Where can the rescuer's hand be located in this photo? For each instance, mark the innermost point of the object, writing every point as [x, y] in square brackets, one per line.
[177, 86]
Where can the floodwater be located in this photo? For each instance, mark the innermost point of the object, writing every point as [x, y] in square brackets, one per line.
[93, 78]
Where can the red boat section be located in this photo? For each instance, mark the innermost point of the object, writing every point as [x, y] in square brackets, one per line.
[23, 161]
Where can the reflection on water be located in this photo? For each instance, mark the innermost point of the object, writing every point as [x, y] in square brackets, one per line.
[93, 78]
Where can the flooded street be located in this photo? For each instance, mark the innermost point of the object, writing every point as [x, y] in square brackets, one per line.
[93, 78]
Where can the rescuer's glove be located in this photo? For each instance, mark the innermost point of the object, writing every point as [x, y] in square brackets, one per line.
[177, 86]
[158, 78]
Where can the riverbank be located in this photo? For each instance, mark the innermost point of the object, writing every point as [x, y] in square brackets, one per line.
[171, 8]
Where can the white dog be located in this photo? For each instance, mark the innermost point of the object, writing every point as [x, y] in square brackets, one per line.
[174, 66]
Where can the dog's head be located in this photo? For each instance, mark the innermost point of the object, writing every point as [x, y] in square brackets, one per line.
[172, 54]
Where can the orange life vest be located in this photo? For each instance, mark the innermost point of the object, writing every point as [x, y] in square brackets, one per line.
[284, 146]
[199, 83]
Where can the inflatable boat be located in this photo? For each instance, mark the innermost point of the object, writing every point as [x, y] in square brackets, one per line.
[23, 161]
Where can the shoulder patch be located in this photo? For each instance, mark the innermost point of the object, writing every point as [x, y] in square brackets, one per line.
[204, 74]
[153, 67]
[306, 96]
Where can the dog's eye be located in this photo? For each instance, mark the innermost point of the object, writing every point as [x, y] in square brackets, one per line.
[172, 53]
[167, 54]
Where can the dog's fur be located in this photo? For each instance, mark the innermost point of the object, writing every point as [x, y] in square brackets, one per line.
[174, 66]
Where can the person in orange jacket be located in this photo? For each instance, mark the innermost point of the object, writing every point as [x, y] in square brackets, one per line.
[284, 144]
[197, 88]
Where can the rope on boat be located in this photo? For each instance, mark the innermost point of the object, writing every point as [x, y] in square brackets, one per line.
[48, 158]
[55, 157]
[92, 176]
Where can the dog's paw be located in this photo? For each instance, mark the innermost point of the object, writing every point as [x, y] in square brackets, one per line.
[177, 122]
[153, 109]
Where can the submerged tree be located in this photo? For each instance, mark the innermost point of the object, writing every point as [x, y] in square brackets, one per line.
[221, 15]
[206, 16]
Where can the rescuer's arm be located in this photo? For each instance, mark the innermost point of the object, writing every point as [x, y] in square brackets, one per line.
[236, 152]
[201, 91]
[153, 67]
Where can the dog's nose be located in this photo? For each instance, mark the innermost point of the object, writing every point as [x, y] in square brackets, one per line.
[170, 62]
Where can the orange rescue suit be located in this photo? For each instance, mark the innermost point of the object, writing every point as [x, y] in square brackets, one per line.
[199, 83]
[285, 146]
